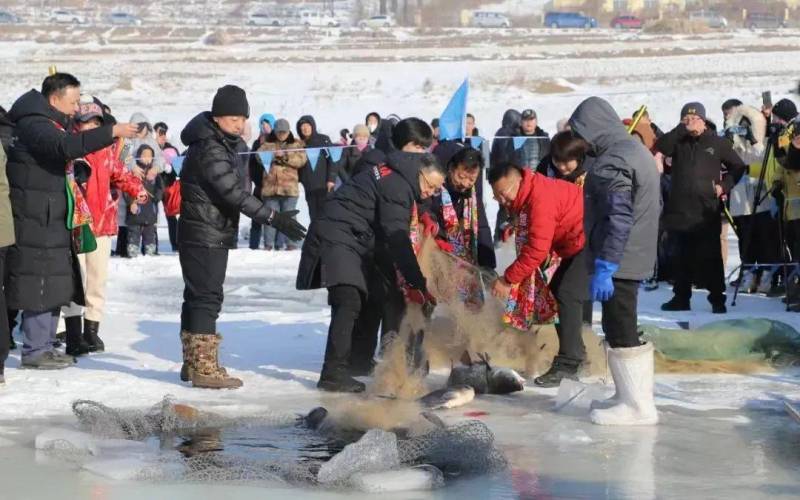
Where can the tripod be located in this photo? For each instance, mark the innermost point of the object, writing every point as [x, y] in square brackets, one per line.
[748, 236]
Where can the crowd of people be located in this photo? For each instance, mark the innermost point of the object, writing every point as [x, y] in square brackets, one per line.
[602, 209]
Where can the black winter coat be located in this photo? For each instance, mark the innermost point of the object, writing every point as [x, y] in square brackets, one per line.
[43, 270]
[148, 212]
[503, 149]
[697, 166]
[368, 215]
[212, 190]
[256, 168]
[316, 179]
[6, 130]
[346, 167]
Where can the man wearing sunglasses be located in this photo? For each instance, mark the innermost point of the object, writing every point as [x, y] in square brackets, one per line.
[366, 221]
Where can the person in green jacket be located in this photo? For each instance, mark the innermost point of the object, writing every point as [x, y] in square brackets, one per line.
[6, 240]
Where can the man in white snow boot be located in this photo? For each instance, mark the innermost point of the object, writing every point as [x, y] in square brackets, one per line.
[621, 197]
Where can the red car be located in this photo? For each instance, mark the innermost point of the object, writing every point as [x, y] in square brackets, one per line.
[627, 22]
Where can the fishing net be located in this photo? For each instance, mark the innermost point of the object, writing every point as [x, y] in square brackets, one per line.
[179, 443]
[729, 346]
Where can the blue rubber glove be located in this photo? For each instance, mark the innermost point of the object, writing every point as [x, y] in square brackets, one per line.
[773, 210]
[602, 287]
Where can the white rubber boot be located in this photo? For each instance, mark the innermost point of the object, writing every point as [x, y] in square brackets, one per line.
[632, 370]
[603, 404]
[765, 284]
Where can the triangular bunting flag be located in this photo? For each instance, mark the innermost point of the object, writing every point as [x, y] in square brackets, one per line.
[476, 142]
[177, 164]
[454, 116]
[519, 142]
[336, 153]
[266, 159]
[313, 157]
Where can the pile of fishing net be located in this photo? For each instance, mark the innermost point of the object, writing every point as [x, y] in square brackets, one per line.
[729, 346]
[179, 443]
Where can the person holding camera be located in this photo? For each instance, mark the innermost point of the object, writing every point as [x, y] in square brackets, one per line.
[704, 167]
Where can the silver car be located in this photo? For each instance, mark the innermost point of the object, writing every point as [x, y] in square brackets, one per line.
[124, 19]
[483, 19]
[709, 18]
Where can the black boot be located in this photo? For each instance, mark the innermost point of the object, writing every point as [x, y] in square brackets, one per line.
[76, 346]
[338, 380]
[559, 370]
[12, 344]
[90, 335]
[676, 304]
[718, 304]
[362, 368]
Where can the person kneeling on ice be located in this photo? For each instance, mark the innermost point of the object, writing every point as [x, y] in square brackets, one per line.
[370, 214]
[212, 196]
[621, 198]
[549, 220]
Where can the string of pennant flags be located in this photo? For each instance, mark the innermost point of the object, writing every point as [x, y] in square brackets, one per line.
[335, 152]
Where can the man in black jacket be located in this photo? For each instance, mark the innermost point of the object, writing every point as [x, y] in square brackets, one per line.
[368, 216]
[212, 197]
[318, 179]
[42, 267]
[704, 167]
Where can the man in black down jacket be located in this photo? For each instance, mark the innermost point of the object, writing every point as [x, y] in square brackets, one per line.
[692, 213]
[318, 180]
[213, 195]
[43, 272]
[370, 214]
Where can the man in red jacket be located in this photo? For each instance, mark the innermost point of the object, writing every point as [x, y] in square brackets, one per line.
[107, 172]
[549, 220]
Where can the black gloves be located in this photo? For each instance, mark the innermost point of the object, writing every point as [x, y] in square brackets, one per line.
[285, 223]
[82, 170]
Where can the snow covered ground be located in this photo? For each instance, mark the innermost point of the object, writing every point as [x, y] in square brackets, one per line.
[720, 436]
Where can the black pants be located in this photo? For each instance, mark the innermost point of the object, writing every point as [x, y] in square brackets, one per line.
[142, 236]
[203, 276]
[764, 243]
[698, 261]
[620, 321]
[345, 302]
[172, 227]
[122, 242]
[382, 312]
[502, 218]
[5, 332]
[316, 202]
[793, 238]
[570, 286]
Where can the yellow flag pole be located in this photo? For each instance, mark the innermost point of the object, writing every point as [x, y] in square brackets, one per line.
[637, 117]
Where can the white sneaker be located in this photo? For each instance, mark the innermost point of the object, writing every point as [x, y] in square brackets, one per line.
[632, 370]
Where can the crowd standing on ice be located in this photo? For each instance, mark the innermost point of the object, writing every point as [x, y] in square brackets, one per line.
[604, 208]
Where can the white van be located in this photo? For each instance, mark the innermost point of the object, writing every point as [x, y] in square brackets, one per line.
[483, 19]
[315, 18]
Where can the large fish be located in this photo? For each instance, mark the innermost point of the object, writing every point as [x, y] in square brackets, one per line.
[483, 377]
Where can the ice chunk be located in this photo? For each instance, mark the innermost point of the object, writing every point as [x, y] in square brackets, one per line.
[577, 395]
[133, 468]
[421, 478]
[376, 451]
[66, 440]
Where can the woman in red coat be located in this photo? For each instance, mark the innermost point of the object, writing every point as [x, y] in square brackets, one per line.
[549, 220]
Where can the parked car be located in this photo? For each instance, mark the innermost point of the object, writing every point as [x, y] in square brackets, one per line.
[709, 18]
[315, 18]
[377, 22]
[124, 19]
[9, 18]
[627, 22]
[63, 16]
[264, 19]
[758, 20]
[483, 19]
[557, 20]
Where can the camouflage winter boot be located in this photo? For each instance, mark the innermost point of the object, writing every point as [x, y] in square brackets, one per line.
[205, 369]
[186, 368]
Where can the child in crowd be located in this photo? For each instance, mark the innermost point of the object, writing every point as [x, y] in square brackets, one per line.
[141, 219]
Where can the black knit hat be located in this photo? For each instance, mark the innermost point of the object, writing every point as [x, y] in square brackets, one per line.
[693, 108]
[230, 101]
[785, 110]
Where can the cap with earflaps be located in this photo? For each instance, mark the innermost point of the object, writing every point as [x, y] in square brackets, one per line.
[88, 111]
[230, 100]
[529, 114]
[785, 110]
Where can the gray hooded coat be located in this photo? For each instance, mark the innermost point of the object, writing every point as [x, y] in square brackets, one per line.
[621, 193]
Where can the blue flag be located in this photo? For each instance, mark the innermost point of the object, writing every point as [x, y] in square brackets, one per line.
[313, 157]
[454, 116]
[266, 159]
[336, 153]
[519, 142]
[177, 164]
[476, 142]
